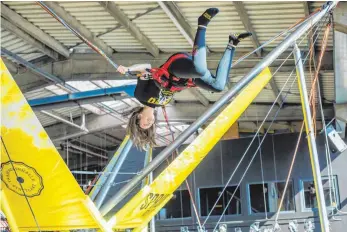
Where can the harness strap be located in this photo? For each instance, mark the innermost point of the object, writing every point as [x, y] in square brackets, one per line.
[165, 80]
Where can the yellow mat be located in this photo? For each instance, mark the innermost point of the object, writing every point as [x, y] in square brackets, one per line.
[38, 192]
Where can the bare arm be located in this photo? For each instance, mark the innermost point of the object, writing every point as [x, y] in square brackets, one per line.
[139, 68]
[142, 68]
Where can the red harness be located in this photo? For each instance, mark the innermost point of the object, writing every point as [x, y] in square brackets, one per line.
[169, 82]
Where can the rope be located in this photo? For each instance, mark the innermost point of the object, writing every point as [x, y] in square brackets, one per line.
[21, 186]
[290, 172]
[222, 170]
[290, 28]
[77, 34]
[262, 173]
[258, 132]
[186, 182]
[262, 177]
[332, 190]
[312, 101]
[327, 151]
[244, 155]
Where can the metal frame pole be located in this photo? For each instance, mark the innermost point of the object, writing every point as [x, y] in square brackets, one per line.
[104, 176]
[100, 198]
[150, 180]
[217, 106]
[323, 216]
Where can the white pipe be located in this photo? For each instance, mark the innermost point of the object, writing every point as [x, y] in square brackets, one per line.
[82, 127]
[85, 150]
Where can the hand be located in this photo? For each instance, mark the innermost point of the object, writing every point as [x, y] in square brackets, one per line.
[122, 69]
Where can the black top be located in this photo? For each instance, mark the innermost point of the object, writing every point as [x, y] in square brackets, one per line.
[149, 94]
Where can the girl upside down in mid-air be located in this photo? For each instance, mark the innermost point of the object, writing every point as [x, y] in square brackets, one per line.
[156, 86]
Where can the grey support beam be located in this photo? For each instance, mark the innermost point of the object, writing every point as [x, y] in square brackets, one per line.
[86, 150]
[199, 96]
[61, 119]
[94, 67]
[179, 113]
[241, 10]
[76, 25]
[33, 31]
[94, 123]
[173, 12]
[86, 66]
[29, 39]
[118, 15]
[11, 66]
[276, 91]
[306, 8]
[189, 112]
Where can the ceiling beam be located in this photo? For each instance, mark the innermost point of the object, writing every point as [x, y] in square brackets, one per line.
[276, 91]
[173, 12]
[199, 96]
[86, 150]
[306, 8]
[11, 66]
[76, 25]
[33, 31]
[189, 112]
[340, 27]
[119, 16]
[183, 113]
[241, 10]
[278, 126]
[29, 39]
[94, 123]
[94, 67]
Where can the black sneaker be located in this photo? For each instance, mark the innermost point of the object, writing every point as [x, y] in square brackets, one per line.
[235, 39]
[206, 17]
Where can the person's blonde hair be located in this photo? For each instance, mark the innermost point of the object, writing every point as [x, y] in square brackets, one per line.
[141, 138]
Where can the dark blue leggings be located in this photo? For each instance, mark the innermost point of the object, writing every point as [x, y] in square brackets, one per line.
[218, 82]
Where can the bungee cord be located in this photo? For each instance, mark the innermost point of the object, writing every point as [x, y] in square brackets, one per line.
[312, 102]
[257, 134]
[98, 50]
[238, 165]
[186, 182]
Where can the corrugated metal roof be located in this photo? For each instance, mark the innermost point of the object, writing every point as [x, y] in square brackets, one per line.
[39, 93]
[268, 19]
[99, 21]
[66, 113]
[18, 46]
[327, 78]
[40, 18]
[156, 25]
[227, 21]
[271, 18]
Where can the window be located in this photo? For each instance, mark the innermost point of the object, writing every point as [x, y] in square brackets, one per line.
[177, 207]
[209, 196]
[267, 197]
[329, 189]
